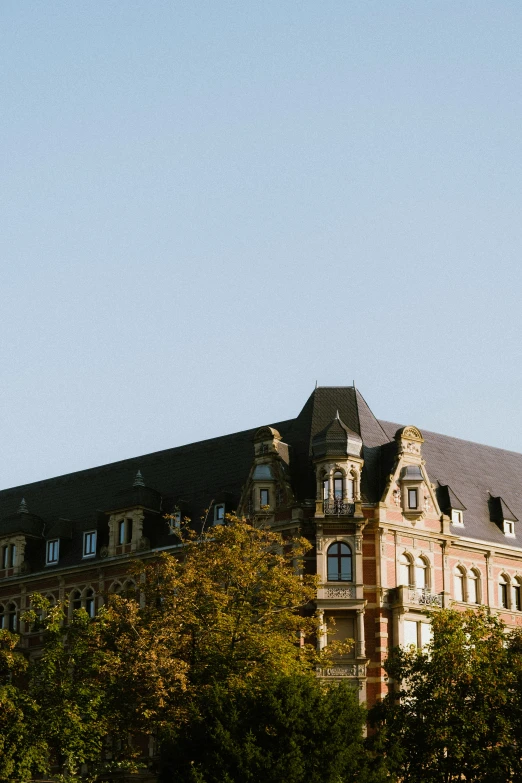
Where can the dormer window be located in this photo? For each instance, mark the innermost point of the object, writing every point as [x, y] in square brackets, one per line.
[125, 531]
[413, 498]
[52, 551]
[264, 497]
[457, 517]
[8, 555]
[89, 543]
[219, 513]
[509, 528]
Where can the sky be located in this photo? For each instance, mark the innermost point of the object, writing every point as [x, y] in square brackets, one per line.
[208, 207]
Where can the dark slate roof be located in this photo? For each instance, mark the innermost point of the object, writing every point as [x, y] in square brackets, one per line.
[474, 472]
[192, 476]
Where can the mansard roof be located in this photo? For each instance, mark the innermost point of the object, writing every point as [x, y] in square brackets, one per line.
[194, 475]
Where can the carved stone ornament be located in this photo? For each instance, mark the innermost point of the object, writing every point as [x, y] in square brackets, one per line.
[25, 567]
[143, 544]
[411, 433]
[104, 551]
[397, 497]
[340, 592]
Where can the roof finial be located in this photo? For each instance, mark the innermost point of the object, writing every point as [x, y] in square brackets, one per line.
[337, 414]
[138, 481]
[22, 508]
[316, 384]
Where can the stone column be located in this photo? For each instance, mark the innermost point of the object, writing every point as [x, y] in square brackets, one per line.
[361, 647]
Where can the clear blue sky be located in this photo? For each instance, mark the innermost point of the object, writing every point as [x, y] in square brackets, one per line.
[205, 207]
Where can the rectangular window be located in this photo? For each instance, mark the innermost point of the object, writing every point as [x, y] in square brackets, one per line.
[264, 497]
[456, 517]
[89, 543]
[416, 633]
[219, 513]
[412, 498]
[503, 595]
[342, 631]
[325, 489]
[5, 557]
[12, 558]
[121, 531]
[52, 551]
[338, 488]
[509, 528]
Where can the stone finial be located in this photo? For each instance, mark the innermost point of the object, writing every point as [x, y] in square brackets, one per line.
[138, 481]
[22, 508]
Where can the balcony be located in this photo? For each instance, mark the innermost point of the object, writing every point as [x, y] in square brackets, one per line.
[414, 596]
[338, 507]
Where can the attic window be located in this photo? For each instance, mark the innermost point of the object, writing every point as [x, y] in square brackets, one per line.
[219, 513]
[509, 528]
[412, 498]
[51, 555]
[264, 499]
[89, 543]
[457, 517]
[8, 555]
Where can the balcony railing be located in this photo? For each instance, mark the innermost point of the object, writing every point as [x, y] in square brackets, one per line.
[339, 507]
[419, 596]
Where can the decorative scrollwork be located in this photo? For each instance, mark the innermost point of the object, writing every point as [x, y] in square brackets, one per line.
[339, 507]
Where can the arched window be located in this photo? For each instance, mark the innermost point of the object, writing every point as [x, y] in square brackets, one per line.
[88, 601]
[12, 618]
[338, 485]
[503, 591]
[460, 584]
[76, 600]
[350, 489]
[517, 597]
[421, 573]
[339, 560]
[474, 587]
[405, 570]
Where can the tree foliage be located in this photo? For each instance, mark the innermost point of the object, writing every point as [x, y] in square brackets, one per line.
[454, 713]
[291, 728]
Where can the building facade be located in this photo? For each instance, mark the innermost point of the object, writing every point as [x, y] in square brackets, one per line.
[400, 520]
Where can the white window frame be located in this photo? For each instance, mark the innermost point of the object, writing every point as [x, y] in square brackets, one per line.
[219, 513]
[89, 533]
[509, 528]
[48, 547]
[457, 517]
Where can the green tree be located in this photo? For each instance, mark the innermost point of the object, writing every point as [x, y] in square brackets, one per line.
[22, 750]
[452, 713]
[232, 607]
[290, 728]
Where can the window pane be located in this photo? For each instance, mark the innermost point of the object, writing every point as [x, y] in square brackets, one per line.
[263, 497]
[426, 634]
[474, 597]
[516, 597]
[420, 574]
[412, 498]
[325, 489]
[459, 587]
[503, 595]
[343, 629]
[351, 489]
[121, 532]
[410, 633]
[5, 556]
[338, 488]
